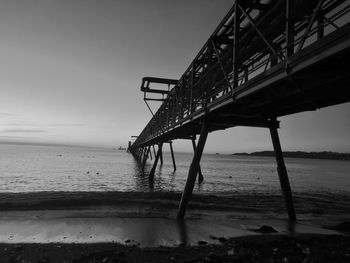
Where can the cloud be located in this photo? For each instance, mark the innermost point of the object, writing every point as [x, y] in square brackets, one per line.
[46, 125]
[67, 125]
[19, 130]
[6, 114]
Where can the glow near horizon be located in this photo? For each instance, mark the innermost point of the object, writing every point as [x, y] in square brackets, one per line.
[70, 73]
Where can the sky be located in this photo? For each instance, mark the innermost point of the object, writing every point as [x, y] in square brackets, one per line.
[70, 73]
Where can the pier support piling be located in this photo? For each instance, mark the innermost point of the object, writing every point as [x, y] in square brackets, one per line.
[172, 154]
[150, 153]
[144, 155]
[282, 174]
[151, 174]
[140, 154]
[145, 158]
[161, 156]
[192, 173]
[154, 151]
[200, 175]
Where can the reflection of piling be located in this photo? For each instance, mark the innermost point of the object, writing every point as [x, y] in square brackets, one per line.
[182, 232]
[291, 224]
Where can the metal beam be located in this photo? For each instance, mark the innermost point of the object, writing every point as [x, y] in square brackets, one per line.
[257, 30]
[151, 174]
[282, 174]
[150, 153]
[161, 155]
[221, 65]
[309, 26]
[172, 154]
[235, 32]
[290, 8]
[146, 80]
[145, 158]
[192, 173]
[200, 175]
[152, 99]
[154, 151]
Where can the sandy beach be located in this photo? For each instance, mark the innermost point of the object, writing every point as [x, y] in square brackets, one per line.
[140, 227]
[265, 248]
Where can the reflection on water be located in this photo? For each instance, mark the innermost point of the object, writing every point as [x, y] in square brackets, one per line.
[66, 227]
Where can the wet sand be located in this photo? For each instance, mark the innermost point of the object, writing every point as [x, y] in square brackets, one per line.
[140, 227]
[109, 224]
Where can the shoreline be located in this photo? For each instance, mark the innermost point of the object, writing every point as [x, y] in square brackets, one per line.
[305, 203]
[141, 227]
[231, 213]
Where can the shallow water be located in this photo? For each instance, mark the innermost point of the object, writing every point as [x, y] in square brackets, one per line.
[43, 168]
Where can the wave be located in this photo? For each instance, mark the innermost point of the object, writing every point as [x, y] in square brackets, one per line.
[305, 203]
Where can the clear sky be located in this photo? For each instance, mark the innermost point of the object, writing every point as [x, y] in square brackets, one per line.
[70, 72]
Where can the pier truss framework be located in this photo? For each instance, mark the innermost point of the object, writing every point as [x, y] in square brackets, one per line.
[266, 59]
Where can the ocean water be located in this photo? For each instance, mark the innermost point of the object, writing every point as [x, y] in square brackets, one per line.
[72, 194]
[27, 168]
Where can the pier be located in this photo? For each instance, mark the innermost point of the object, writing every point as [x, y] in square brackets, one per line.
[266, 59]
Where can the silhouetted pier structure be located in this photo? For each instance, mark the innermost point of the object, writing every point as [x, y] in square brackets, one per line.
[266, 59]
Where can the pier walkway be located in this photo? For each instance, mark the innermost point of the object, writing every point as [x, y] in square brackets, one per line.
[266, 59]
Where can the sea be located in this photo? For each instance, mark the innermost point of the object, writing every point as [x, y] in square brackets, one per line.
[114, 201]
[34, 168]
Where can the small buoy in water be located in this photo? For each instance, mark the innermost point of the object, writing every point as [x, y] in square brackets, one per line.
[87, 172]
[97, 173]
[230, 177]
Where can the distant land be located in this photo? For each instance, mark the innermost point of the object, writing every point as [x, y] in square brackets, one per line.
[301, 154]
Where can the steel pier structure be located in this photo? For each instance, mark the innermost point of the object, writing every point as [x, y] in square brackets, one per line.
[266, 59]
